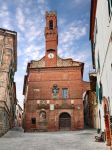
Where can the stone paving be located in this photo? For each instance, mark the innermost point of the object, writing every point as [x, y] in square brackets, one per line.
[16, 139]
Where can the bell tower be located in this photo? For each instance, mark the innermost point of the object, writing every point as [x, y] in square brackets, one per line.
[51, 39]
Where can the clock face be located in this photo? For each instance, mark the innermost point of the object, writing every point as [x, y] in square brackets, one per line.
[50, 55]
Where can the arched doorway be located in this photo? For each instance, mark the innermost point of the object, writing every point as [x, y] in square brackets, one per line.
[64, 121]
[107, 121]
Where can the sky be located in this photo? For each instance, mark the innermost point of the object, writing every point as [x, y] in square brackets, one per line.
[27, 18]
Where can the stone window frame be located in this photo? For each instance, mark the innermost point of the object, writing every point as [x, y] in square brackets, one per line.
[65, 93]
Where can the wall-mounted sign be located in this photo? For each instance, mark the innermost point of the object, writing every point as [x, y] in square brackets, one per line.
[51, 106]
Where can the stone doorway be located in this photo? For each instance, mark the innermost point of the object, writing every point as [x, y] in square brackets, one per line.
[64, 121]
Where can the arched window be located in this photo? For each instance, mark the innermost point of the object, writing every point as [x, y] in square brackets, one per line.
[51, 24]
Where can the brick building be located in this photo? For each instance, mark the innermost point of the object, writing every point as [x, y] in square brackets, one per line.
[53, 88]
[8, 67]
[91, 104]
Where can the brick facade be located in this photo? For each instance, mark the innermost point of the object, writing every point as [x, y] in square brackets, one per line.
[91, 104]
[53, 88]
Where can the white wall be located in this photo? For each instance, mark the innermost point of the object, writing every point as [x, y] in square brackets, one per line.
[104, 48]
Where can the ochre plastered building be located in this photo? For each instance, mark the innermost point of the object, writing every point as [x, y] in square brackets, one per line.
[8, 67]
[53, 88]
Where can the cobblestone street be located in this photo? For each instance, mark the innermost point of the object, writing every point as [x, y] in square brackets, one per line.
[16, 139]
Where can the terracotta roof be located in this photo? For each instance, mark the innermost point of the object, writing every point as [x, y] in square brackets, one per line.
[92, 18]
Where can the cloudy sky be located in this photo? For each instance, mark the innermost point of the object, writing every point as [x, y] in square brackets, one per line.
[27, 18]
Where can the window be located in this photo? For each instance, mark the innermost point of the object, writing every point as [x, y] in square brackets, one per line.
[110, 7]
[51, 24]
[65, 93]
[97, 90]
[98, 63]
[100, 93]
[33, 120]
[95, 32]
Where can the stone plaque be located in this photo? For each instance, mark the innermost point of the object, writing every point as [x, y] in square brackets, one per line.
[51, 106]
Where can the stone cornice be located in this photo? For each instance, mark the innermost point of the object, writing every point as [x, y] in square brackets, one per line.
[60, 63]
[55, 68]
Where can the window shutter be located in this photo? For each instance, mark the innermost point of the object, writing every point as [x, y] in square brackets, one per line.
[109, 8]
[100, 93]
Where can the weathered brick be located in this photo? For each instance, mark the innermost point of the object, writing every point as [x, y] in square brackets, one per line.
[42, 76]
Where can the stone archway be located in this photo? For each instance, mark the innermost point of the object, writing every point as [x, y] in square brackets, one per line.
[107, 121]
[65, 121]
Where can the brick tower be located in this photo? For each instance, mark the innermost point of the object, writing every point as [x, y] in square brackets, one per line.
[51, 38]
[53, 88]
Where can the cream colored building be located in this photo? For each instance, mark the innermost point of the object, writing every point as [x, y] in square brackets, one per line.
[101, 42]
[8, 67]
